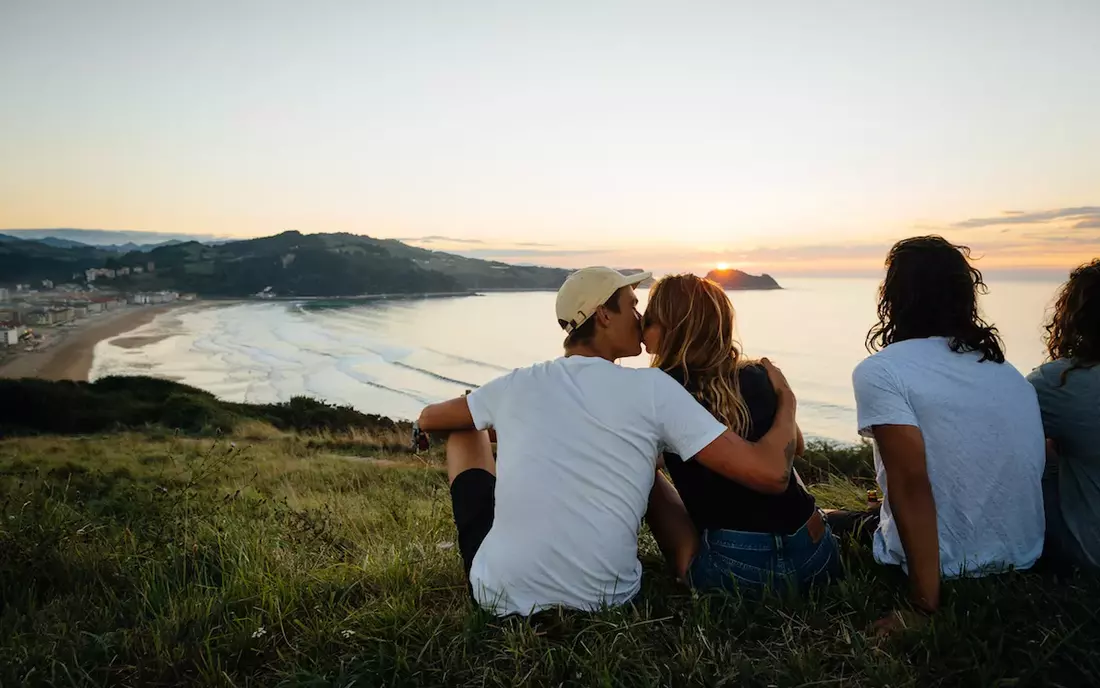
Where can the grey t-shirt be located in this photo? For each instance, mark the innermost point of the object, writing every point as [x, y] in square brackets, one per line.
[1071, 417]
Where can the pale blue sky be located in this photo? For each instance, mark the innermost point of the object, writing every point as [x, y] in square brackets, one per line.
[633, 131]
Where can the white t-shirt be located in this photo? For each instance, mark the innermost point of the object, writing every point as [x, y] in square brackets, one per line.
[984, 447]
[577, 443]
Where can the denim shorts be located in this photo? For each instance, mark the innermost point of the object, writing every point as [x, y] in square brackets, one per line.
[738, 561]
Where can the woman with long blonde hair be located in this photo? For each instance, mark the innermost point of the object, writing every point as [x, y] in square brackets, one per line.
[748, 539]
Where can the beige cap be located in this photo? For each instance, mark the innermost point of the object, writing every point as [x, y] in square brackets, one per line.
[587, 289]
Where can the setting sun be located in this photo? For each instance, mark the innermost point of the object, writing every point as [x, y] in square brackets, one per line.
[723, 266]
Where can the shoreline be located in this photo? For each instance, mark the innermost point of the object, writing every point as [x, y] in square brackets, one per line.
[70, 353]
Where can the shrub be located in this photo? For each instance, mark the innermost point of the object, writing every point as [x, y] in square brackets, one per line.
[32, 406]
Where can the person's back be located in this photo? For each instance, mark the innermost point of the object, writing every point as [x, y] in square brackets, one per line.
[752, 537]
[1071, 417]
[958, 441]
[716, 503]
[983, 447]
[1069, 398]
[578, 439]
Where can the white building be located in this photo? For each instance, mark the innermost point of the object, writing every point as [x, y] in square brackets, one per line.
[5, 295]
[91, 274]
[10, 336]
[145, 298]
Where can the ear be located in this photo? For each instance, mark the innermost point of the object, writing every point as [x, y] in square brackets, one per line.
[602, 317]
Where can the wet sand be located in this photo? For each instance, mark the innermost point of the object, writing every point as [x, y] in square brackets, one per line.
[69, 354]
[138, 342]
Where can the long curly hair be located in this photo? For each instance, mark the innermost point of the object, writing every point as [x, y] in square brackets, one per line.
[931, 290]
[699, 345]
[1073, 332]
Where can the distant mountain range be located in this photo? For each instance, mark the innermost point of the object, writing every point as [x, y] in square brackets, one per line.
[117, 241]
[288, 264]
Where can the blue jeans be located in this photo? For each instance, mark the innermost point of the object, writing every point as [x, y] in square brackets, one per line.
[733, 560]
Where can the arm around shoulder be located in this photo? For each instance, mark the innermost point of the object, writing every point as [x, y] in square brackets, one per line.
[766, 465]
[762, 467]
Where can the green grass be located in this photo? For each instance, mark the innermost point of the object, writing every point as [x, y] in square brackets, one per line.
[153, 559]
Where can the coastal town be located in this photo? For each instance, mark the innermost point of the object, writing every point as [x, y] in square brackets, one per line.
[27, 315]
[38, 320]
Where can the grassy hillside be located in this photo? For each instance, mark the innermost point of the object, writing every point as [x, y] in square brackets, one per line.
[294, 264]
[32, 406]
[290, 264]
[326, 557]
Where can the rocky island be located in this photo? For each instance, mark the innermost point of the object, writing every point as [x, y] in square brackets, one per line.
[735, 279]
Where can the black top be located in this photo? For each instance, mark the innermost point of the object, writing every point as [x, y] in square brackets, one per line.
[715, 502]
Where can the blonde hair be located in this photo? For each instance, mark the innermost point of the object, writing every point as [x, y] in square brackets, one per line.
[699, 345]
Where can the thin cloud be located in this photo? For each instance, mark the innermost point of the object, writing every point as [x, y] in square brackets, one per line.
[1086, 213]
[1083, 239]
[436, 238]
[505, 253]
[1090, 223]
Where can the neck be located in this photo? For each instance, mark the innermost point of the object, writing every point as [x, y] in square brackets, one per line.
[593, 350]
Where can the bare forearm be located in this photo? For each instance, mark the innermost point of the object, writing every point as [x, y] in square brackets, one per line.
[914, 508]
[765, 466]
[446, 416]
[783, 437]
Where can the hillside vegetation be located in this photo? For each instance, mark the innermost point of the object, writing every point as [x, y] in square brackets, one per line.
[267, 557]
[32, 261]
[32, 406]
[288, 264]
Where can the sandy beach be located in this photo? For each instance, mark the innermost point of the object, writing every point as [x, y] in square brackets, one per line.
[69, 354]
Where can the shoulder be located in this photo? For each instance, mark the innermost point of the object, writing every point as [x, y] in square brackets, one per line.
[875, 365]
[877, 371]
[753, 379]
[654, 377]
[1050, 373]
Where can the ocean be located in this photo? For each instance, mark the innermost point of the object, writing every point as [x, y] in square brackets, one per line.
[392, 357]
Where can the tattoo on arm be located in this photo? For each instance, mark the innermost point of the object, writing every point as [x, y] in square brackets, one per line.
[788, 453]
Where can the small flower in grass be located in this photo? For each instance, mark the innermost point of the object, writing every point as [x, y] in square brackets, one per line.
[259, 632]
[347, 633]
[232, 445]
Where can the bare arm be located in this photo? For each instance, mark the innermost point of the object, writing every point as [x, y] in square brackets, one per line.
[914, 508]
[447, 416]
[766, 465]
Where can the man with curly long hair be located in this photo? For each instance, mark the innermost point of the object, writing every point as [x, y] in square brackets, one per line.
[959, 448]
[1069, 397]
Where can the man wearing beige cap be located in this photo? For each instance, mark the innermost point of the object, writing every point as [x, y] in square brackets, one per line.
[554, 520]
